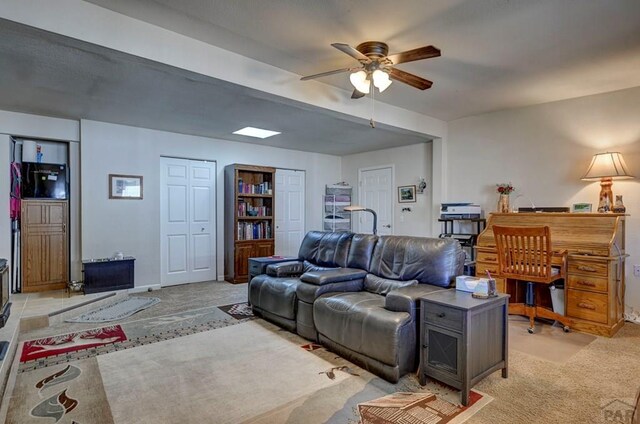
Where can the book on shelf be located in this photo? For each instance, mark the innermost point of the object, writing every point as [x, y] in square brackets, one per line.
[254, 230]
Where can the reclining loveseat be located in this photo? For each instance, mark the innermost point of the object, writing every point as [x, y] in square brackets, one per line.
[358, 294]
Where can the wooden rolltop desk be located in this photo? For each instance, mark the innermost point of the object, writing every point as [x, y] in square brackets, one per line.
[594, 288]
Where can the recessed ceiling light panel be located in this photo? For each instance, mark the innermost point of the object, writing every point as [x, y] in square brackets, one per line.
[256, 132]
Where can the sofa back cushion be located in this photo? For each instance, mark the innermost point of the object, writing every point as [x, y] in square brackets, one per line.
[361, 251]
[325, 249]
[382, 286]
[429, 260]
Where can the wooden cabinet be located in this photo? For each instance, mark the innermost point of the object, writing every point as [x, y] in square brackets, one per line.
[249, 218]
[462, 339]
[595, 284]
[45, 246]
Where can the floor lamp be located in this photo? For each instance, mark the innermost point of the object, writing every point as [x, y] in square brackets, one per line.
[362, 208]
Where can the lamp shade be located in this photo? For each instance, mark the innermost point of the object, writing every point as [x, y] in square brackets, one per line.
[607, 165]
[360, 81]
[381, 80]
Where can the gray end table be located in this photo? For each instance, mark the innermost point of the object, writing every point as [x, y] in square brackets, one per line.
[462, 339]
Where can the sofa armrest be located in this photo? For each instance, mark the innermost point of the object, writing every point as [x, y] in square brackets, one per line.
[285, 269]
[406, 299]
[320, 278]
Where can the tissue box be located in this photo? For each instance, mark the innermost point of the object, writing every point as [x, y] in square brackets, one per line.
[468, 284]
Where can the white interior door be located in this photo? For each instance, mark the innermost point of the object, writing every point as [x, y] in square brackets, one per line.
[187, 217]
[376, 192]
[289, 211]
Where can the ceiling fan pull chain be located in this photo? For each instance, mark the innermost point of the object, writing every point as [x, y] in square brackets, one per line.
[373, 108]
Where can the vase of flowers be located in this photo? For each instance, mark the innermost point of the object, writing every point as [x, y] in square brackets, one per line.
[504, 190]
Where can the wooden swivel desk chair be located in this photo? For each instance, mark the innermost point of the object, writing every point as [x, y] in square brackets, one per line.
[524, 254]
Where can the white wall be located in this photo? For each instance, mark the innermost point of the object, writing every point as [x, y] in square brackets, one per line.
[410, 163]
[544, 150]
[133, 226]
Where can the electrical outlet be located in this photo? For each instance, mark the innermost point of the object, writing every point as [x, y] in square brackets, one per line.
[636, 270]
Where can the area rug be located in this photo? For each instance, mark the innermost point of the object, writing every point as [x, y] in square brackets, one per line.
[246, 372]
[117, 310]
[73, 342]
[136, 333]
[238, 310]
[414, 408]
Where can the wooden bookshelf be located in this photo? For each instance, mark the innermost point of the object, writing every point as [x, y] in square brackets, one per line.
[249, 198]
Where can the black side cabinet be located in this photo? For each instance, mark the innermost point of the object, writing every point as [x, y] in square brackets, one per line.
[463, 339]
[102, 275]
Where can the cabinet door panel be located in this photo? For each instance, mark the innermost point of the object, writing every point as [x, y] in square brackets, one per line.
[262, 249]
[243, 253]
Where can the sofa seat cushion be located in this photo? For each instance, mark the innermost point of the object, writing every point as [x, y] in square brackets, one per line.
[320, 278]
[382, 286]
[274, 295]
[359, 321]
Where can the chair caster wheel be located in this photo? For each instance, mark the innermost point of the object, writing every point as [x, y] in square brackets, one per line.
[530, 330]
[566, 329]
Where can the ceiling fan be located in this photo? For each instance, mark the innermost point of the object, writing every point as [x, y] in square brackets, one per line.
[377, 66]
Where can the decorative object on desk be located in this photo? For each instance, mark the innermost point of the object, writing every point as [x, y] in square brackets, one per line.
[619, 207]
[504, 190]
[407, 194]
[356, 208]
[581, 208]
[125, 187]
[422, 185]
[503, 203]
[606, 167]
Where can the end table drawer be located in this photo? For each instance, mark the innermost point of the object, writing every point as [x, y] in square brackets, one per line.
[444, 317]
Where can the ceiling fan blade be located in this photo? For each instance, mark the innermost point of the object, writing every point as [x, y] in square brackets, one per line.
[420, 53]
[345, 48]
[407, 78]
[357, 95]
[324, 74]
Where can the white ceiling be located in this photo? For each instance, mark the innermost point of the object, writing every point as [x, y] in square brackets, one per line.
[496, 54]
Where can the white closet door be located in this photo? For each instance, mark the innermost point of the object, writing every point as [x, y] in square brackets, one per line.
[289, 211]
[187, 217]
[376, 192]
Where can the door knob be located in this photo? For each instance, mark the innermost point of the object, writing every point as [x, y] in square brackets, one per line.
[202, 229]
[387, 226]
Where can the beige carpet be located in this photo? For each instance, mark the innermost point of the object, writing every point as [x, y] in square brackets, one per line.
[548, 342]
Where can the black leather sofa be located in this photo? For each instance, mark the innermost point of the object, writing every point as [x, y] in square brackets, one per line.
[358, 294]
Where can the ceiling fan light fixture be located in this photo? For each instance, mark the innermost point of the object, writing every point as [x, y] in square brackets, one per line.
[360, 81]
[381, 80]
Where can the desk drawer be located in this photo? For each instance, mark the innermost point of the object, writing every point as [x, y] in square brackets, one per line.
[583, 282]
[587, 305]
[586, 267]
[491, 258]
[442, 316]
[483, 267]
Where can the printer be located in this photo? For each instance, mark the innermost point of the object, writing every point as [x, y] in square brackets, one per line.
[460, 211]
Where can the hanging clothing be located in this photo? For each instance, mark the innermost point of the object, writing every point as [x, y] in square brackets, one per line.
[14, 201]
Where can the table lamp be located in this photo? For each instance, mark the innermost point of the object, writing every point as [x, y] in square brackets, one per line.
[606, 167]
[362, 208]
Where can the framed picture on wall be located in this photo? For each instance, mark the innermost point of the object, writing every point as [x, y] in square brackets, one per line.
[407, 194]
[125, 187]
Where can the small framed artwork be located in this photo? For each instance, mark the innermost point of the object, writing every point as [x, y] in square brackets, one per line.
[125, 187]
[581, 208]
[407, 194]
